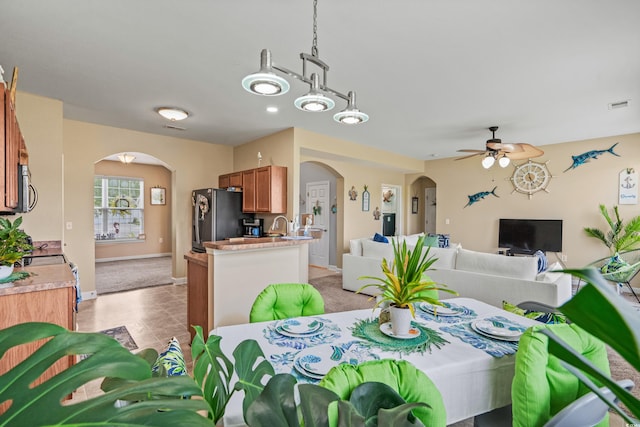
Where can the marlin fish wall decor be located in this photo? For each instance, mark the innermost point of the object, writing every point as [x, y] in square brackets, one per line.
[585, 157]
[481, 195]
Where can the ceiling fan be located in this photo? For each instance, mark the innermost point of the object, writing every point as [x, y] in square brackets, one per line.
[504, 153]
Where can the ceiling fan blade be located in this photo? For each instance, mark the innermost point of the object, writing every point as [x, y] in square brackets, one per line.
[508, 148]
[470, 155]
[528, 152]
[466, 150]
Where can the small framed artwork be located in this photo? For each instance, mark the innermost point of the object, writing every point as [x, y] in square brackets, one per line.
[158, 196]
[414, 205]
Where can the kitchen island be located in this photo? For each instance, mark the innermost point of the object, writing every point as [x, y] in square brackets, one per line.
[236, 271]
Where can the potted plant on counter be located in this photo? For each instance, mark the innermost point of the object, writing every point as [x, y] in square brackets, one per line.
[405, 283]
[14, 245]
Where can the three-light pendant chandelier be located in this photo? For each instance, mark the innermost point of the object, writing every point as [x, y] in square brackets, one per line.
[266, 82]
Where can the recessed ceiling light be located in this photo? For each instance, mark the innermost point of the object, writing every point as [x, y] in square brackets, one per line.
[272, 109]
[172, 113]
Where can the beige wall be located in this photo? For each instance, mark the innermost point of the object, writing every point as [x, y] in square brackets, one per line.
[573, 196]
[62, 157]
[157, 218]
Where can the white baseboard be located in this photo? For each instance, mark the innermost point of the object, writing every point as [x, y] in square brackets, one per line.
[124, 258]
[179, 280]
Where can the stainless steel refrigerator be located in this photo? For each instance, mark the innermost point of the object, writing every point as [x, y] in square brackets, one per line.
[217, 215]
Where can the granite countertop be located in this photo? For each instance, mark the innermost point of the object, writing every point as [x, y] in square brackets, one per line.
[42, 278]
[198, 258]
[240, 243]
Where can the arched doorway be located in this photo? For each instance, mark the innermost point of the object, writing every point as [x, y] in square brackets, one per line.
[319, 188]
[422, 218]
[132, 223]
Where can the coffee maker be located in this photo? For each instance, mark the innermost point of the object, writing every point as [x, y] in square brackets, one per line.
[253, 227]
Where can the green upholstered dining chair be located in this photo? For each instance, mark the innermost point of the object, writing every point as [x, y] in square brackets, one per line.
[408, 381]
[541, 386]
[285, 300]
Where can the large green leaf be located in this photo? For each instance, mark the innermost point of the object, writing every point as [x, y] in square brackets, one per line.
[370, 397]
[212, 371]
[275, 406]
[605, 314]
[251, 375]
[105, 357]
[314, 404]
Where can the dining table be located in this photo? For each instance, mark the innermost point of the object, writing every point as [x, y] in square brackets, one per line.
[467, 348]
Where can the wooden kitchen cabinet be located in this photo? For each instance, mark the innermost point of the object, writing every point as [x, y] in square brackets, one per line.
[230, 180]
[264, 190]
[198, 293]
[12, 154]
[46, 296]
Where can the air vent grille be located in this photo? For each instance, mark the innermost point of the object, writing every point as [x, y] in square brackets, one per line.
[174, 127]
[619, 104]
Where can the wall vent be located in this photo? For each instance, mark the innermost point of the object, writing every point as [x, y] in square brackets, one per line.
[174, 127]
[619, 104]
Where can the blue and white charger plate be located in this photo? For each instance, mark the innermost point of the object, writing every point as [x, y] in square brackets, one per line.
[299, 327]
[497, 330]
[315, 362]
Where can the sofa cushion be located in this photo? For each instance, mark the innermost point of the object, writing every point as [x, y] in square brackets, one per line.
[355, 246]
[446, 257]
[518, 267]
[411, 239]
[377, 250]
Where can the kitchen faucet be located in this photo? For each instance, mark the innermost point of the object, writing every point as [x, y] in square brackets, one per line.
[274, 226]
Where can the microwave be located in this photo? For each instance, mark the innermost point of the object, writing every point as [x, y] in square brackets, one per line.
[27, 194]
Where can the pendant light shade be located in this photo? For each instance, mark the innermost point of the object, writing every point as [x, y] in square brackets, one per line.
[314, 101]
[126, 158]
[351, 115]
[265, 82]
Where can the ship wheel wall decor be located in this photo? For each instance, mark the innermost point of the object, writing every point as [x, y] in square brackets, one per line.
[530, 177]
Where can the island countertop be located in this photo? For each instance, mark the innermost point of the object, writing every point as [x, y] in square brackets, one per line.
[43, 277]
[241, 244]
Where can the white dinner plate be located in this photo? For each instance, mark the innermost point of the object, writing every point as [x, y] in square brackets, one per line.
[299, 327]
[386, 329]
[315, 362]
[438, 310]
[496, 330]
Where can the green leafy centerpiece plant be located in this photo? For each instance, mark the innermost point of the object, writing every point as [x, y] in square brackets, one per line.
[14, 245]
[405, 284]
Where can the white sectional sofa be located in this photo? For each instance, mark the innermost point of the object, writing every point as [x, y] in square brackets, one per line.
[487, 277]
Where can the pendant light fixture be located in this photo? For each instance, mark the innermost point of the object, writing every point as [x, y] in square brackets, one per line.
[126, 158]
[265, 82]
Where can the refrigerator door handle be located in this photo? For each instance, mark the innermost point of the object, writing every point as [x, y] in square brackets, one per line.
[196, 223]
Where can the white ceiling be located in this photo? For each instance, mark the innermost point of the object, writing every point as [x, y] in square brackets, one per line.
[432, 74]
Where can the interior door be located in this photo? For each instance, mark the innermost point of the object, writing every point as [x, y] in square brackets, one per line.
[318, 194]
[430, 210]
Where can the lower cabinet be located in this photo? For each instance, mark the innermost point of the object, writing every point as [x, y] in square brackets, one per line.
[198, 311]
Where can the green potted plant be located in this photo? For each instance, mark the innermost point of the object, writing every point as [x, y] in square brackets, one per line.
[405, 283]
[620, 237]
[14, 245]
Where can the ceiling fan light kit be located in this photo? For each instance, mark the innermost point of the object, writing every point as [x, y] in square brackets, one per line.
[504, 153]
[267, 83]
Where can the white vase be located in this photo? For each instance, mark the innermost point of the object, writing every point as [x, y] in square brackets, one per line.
[5, 271]
[400, 320]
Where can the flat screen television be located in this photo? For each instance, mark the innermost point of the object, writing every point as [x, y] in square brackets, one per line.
[525, 236]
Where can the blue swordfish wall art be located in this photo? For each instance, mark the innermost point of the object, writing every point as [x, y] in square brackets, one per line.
[481, 195]
[585, 157]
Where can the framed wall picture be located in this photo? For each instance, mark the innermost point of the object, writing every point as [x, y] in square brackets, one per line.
[365, 200]
[414, 205]
[158, 196]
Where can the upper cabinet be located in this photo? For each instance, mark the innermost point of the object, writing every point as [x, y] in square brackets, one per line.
[264, 189]
[230, 180]
[12, 154]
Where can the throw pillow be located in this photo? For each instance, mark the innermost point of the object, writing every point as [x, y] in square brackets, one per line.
[171, 360]
[549, 318]
[542, 260]
[380, 238]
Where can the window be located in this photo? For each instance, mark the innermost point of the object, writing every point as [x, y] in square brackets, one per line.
[118, 208]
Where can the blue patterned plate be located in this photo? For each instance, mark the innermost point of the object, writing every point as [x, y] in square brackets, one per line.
[496, 330]
[299, 327]
[315, 362]
[437, 310]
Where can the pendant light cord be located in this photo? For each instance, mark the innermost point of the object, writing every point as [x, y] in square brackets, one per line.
[314, 45]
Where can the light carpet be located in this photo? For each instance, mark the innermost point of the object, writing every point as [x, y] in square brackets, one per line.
[127, 275]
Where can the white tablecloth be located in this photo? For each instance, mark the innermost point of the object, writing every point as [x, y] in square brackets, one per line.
[470, 380]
